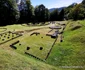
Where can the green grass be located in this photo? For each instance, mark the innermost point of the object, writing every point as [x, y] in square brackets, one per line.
[10, 60]
[2, 29]
[71, 52]
[35, 42]
[18, 27]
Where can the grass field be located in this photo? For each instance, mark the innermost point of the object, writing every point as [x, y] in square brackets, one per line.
[35, 43]
[69, 53]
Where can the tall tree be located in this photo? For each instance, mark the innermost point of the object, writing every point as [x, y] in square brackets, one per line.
[54, 15]
[26, 12]
[61, 15]
[83, 2]
[47, 15]
[8, 12]
[77, 13]
[68, 9]
[30, 11]
[41, 13]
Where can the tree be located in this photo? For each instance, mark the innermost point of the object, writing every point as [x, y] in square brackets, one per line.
[61, 15]
[68, 9]
[26, 12]
[8, 12]
[41, 13]
[77, 13]
[30, 11]
[54, 15]
[83, 3]
[47, 15]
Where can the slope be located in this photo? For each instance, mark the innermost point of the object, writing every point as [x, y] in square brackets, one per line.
[71, 52]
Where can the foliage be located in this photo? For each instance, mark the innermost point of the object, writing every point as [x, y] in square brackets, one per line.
[78, 12]
[61, 15]
[83, 3]
[47, 14]
[54, 15]
[68, 9]
[41, 13]
[26, 12]
[8, 12]
[12, 13]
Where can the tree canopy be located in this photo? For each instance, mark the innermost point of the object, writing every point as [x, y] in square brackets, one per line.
[54, 15]
[61, 15]
[26, 12]
[78, 12]
[41, 13]
[9, 12]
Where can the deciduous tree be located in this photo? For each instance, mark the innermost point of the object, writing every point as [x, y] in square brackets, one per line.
[9, 12]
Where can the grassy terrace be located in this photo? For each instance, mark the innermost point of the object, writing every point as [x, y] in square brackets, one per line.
[11, 59]
[18, 27]
[34, 43]
[70, 52]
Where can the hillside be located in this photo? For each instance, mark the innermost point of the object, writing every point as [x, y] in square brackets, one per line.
[59, 9]
[16, 59]
[11, 60]
[69, 53]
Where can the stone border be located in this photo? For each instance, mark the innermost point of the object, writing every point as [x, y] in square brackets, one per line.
[34, 56]
[12, 45]
[51, 48]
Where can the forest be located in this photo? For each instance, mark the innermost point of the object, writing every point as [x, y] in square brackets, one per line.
[12, 13]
